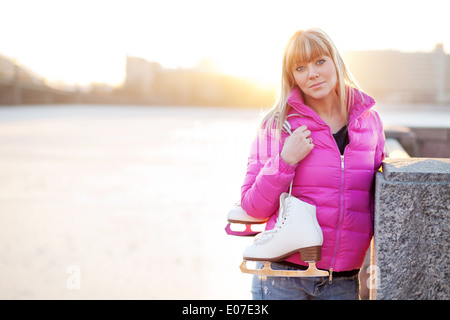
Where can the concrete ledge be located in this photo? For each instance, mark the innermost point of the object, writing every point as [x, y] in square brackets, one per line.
[432, 142]
[405, 136]
[411, 236]
[421, 142]
[394, 149]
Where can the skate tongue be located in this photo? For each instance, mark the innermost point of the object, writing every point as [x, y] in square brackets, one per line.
[283, 211]
[282, 215]
[262, 237]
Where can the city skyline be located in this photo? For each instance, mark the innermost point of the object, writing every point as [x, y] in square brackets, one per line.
[387, 75]
[88, 41]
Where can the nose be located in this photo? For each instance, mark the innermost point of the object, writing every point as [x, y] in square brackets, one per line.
[313, 73]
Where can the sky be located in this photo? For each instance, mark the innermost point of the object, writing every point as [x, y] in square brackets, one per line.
[84, 41]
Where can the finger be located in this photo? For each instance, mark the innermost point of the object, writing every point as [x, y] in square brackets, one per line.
[300, 129]
[306, 133]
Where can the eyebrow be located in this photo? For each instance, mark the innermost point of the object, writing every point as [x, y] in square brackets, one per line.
[297, 62]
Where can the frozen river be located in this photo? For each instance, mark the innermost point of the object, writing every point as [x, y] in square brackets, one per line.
[109, 202]
[104, 202]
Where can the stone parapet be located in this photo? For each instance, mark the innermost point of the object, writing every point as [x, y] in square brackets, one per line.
[411, 237]
[422, 142]
[432, 142]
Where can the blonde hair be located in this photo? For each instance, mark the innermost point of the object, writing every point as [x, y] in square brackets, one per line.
[305, 46]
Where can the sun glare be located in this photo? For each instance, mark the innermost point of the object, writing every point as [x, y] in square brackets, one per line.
[87, 41]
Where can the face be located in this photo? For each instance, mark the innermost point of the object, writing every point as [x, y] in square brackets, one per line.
[317, 79]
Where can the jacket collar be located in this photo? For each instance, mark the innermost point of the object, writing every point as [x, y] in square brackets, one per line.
[361, 103]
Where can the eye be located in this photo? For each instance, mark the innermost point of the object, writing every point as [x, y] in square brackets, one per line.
[300, 69]
[321, 61]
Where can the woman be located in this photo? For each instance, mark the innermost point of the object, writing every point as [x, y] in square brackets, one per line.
[336, 146]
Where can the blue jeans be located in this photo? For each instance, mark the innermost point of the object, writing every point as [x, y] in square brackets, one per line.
[304, 288]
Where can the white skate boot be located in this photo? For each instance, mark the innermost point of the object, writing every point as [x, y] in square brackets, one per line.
[237, 215]
[296, 230]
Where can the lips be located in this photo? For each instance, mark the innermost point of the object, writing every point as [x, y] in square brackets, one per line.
[316, 84]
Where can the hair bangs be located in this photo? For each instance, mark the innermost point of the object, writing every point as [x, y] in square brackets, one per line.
[306, 48]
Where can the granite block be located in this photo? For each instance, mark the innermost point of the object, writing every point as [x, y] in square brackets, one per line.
[412, 210]
[417, 170]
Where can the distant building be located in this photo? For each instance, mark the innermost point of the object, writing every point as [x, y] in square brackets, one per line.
[140, 75]
[410, 77]
[150, 83]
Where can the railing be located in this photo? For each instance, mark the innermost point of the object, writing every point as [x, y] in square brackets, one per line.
[395, 150]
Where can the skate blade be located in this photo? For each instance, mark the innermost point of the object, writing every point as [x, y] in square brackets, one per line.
[267, 270]
[248, 232]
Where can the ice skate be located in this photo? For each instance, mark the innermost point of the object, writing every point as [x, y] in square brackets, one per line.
[296, 230]
[237, 215]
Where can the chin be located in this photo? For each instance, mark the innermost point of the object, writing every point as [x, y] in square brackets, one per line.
[319, 96]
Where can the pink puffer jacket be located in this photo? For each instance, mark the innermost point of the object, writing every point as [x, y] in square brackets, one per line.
[340, 187]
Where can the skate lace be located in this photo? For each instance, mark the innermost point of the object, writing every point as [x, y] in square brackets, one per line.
[286, 125]
[283, 214]
[285, 211]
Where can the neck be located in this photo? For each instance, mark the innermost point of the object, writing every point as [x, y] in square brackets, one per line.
[329, 110]
[326, 107]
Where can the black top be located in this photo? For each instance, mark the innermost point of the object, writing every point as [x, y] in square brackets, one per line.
[341, 138]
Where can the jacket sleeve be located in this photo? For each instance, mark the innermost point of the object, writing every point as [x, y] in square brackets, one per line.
[380, 152]
[268, 176]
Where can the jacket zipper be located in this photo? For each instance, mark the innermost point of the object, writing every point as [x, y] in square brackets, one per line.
[342, 208]
[341, 217]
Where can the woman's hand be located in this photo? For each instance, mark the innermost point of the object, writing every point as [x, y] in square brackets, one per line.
[297, 146]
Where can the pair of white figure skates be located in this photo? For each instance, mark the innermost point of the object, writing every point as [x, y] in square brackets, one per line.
[296, 230]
